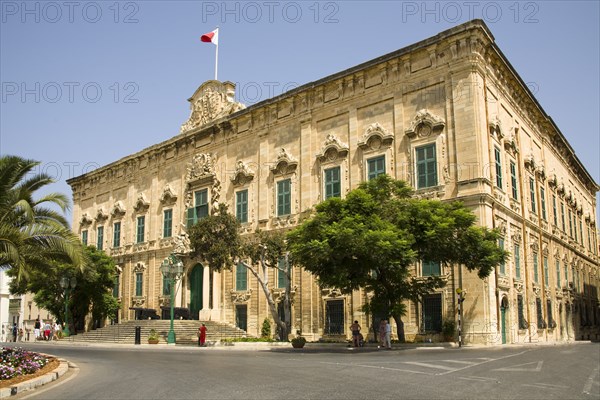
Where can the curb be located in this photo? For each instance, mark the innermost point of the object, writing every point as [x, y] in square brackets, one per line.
[37, 381]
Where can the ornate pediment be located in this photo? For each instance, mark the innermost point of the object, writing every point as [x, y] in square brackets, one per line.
[540, 171]
[331, 293]
[101, 216]
[242, 175]
[332, 149]
[139, 267]
[529, 161]
[117, 210]
[495, 127]
[424, 124]
[85, 220]
[375, 137]
[240, 297]
[510, 142]
[212, 100]
[285, 163]
[552, 180]
[167, 196]
[202, 166]
[141, 204]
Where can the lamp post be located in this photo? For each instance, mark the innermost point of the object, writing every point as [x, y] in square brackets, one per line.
[172, 269]
[67, 282]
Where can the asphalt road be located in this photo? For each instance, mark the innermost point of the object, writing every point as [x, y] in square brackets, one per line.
[143, 372]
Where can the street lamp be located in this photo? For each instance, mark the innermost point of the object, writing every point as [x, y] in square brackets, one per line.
[172, 269]
[67, 282]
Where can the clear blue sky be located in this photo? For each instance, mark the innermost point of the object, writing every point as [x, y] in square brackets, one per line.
[85, 83]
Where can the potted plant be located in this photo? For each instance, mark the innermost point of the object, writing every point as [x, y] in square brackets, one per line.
[153, 336]
[299, 341]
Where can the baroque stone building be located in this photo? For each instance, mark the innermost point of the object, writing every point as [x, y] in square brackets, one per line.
[448, 114]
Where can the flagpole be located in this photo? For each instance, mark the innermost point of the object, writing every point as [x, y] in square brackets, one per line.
[217, 54]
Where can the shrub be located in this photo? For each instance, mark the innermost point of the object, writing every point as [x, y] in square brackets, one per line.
[265, 331]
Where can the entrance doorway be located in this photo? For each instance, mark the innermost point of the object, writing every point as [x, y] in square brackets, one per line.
[503, 318]
[196, 282]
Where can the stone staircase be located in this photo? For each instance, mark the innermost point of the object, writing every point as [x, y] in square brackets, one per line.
[185, 332]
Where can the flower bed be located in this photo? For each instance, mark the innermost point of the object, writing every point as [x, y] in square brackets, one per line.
[16, 362]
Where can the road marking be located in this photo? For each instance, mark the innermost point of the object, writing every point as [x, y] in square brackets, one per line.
[430, 365]
[376, 367]
[460, 362]
[545, 386]
[59, 382]
[520, 367]
[477, 378]
[484, 362]
[590, 381]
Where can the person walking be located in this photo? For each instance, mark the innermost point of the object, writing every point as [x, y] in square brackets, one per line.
[388, 335]
[355, 328]
[15, 332]
[202, 335]
[36, 329]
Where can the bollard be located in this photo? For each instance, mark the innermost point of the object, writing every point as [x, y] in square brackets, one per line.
[138, 335]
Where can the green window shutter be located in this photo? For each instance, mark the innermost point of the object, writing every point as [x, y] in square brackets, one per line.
[241, 277]
[426, 166]
[168, 223]
[532, 194]
[558, 284]
[513, 181]
[241, 205]
[139, 281]
[100, 238]
[84, 237]
[375, 167]
[284, 203]
[498, 167]
[281, 277]
[191, 217]
[117, 234]
[536, 276]
[430, 268]
[332, 183]
[201, 204]
[543, 202]
[502, 264]
[517, 255]
[141, 222]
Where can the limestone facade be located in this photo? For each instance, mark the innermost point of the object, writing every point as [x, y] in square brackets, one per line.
[448, 114]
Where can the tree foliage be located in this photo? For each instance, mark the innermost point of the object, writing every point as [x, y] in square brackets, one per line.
[90, 295]
[371, 238]
[33, 234]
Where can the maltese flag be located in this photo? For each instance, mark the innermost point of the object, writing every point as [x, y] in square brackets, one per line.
[211, 37]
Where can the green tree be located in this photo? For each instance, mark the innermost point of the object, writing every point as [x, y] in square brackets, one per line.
[371, 238]
[90, 295]
[216, 239]
[32, 233]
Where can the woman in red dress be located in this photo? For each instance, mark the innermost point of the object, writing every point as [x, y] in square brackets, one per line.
[202, 335]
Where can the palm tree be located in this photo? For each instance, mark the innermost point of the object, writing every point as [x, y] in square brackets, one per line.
[32, 233]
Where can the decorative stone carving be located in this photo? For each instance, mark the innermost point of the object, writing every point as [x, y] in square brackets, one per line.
[552, 180]
[117, 210]
[510, 142]
[495, 127]
[375, 137]
[503, 282]
[141, 204]
[212, 100]
[182, 244]
[540, 171]
[202, 166]
[333, 149]
[518, 284]
[516, 237]
[285, 164]
[167, 196]
[424, 124]
[85, 220]
[242, 175]
[240, 297]
[138, 301]
[139, 267]
[330, 293]
[529, 161]
[101, 216]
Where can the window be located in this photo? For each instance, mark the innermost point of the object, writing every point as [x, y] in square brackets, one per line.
[532, 194]
[536, 276]
[517, 254]
[284, 197]
[562, 216]
[375, 167]
[521, 312]
[502, 264]
[166, 284]
[575, 226]
[168, 223]
[139, 281]
[84, 237]
[117, 234]
[513, 181]
[543, 203]
[116, 286]
[241, 277]
[551, 323]
[498, 167]
[430, 268]
[570, 225]
[566, 274]
[557, 273]
[141, 222]
[334, 317]
[281, 276]
[546, 272]
[554, 210]
[332, 183]
[432, 313]
[200, 209]
[100, 237]
[241, 206]
[426, 166]
[589, 238]
[541, 324]
[580, 230]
